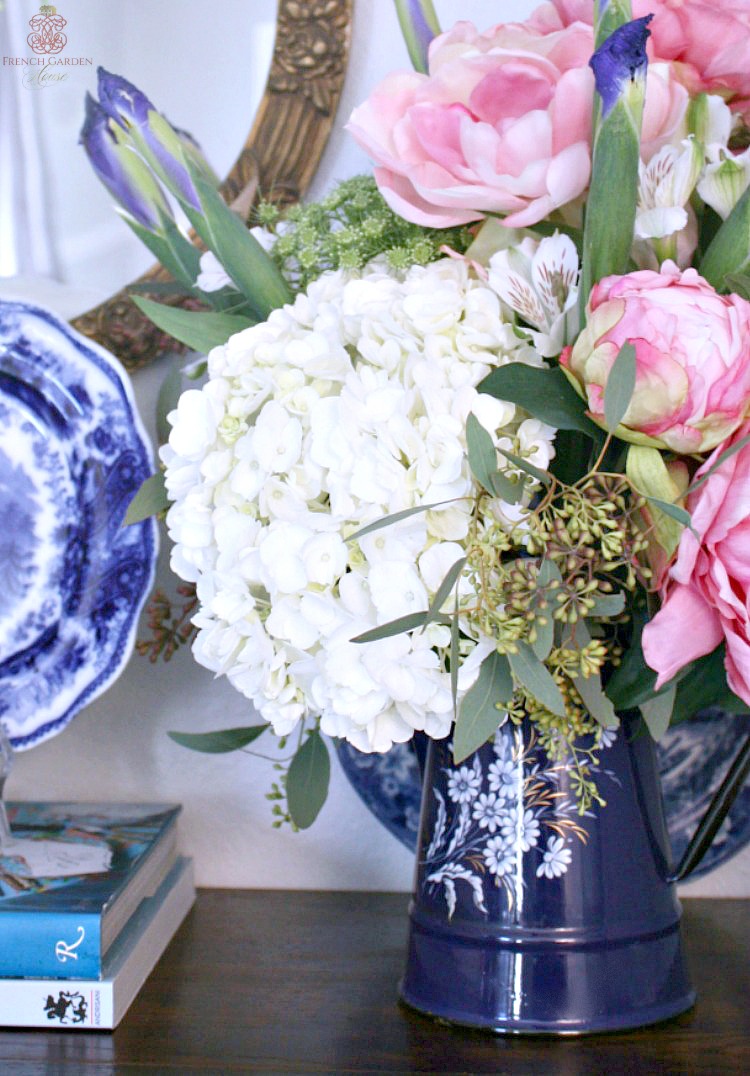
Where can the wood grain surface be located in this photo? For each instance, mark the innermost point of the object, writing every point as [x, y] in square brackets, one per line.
[279, 981]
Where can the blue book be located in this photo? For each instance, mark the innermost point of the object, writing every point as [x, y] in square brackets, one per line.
[81, 1004]
[72, 876]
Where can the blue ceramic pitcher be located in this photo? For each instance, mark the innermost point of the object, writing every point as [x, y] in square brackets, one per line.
[527, 916]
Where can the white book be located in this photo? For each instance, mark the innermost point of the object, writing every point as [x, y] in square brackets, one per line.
[81, 1004]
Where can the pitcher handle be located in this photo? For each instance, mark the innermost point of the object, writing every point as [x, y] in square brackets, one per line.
[716, 812]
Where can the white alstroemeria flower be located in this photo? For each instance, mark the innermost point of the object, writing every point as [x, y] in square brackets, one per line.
[664, 189]
[539, 281]
[725, 179]
[212, 276]
[711, 119]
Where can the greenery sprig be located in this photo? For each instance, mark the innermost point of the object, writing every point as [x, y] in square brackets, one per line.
[348, 228]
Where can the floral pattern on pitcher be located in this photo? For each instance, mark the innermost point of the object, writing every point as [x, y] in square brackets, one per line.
[490, 820]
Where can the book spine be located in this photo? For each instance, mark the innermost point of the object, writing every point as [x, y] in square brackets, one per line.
[57, 945]
[45, 1003]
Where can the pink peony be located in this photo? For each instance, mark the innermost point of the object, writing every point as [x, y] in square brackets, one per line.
[707, 40]
[692, 356]
[705, 597]
[502, 124]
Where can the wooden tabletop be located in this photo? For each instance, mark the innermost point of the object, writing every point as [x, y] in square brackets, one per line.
[262, 981]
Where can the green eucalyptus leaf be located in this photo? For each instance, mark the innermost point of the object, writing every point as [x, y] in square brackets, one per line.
[680, 515]
[529, 671]
[607, 605]
[721, 458]
[150, 499]
[596, 702]
[201, 330]
[479, 713]
[395, 517]
[544, 392]
[483, 459]
[620, 386]
[394, 627]
[219, 742]
[455, 656]
[441, 594]
[170, 391]
[545, 632]
[657, 712]
[545, 635]
[307, 781]
[536, 473]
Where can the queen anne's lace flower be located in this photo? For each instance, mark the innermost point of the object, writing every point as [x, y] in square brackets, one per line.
[342, 408]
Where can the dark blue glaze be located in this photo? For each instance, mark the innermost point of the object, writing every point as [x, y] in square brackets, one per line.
[693, 758]
[527, 917]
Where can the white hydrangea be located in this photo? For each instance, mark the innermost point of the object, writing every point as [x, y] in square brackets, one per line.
[342, 408]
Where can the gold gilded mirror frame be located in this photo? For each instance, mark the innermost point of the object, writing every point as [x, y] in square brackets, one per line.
[279, 158]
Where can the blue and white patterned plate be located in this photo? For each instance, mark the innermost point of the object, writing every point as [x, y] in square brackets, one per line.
[72, 579]
[693, 758]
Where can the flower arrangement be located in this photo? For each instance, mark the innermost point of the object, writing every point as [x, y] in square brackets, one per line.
[473, 440]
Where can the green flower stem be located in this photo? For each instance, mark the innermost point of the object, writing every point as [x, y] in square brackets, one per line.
[609, 15]
[613, 194]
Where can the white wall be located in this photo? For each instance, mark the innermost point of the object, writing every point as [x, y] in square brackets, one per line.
[117, 747]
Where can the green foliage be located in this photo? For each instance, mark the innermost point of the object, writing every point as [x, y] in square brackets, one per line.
[150, 499]
[166, 401]
[619, 389]
[657, 711]
[348, 228]
[254, 273]
[307, 781]
[704, 683]
[613, 190]
[200, 330]
[483, 463]
[545, 393]
[596, 702]
[219, 742]
[728, 254]
[535, 677]
[481, 710]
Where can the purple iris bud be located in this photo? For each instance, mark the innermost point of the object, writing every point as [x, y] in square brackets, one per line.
[419, 25]
[620, 60]
[421, 28]
[106, 156]
[133, 111]
[121, 100]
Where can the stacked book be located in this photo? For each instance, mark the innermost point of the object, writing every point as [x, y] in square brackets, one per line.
[90, 896]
